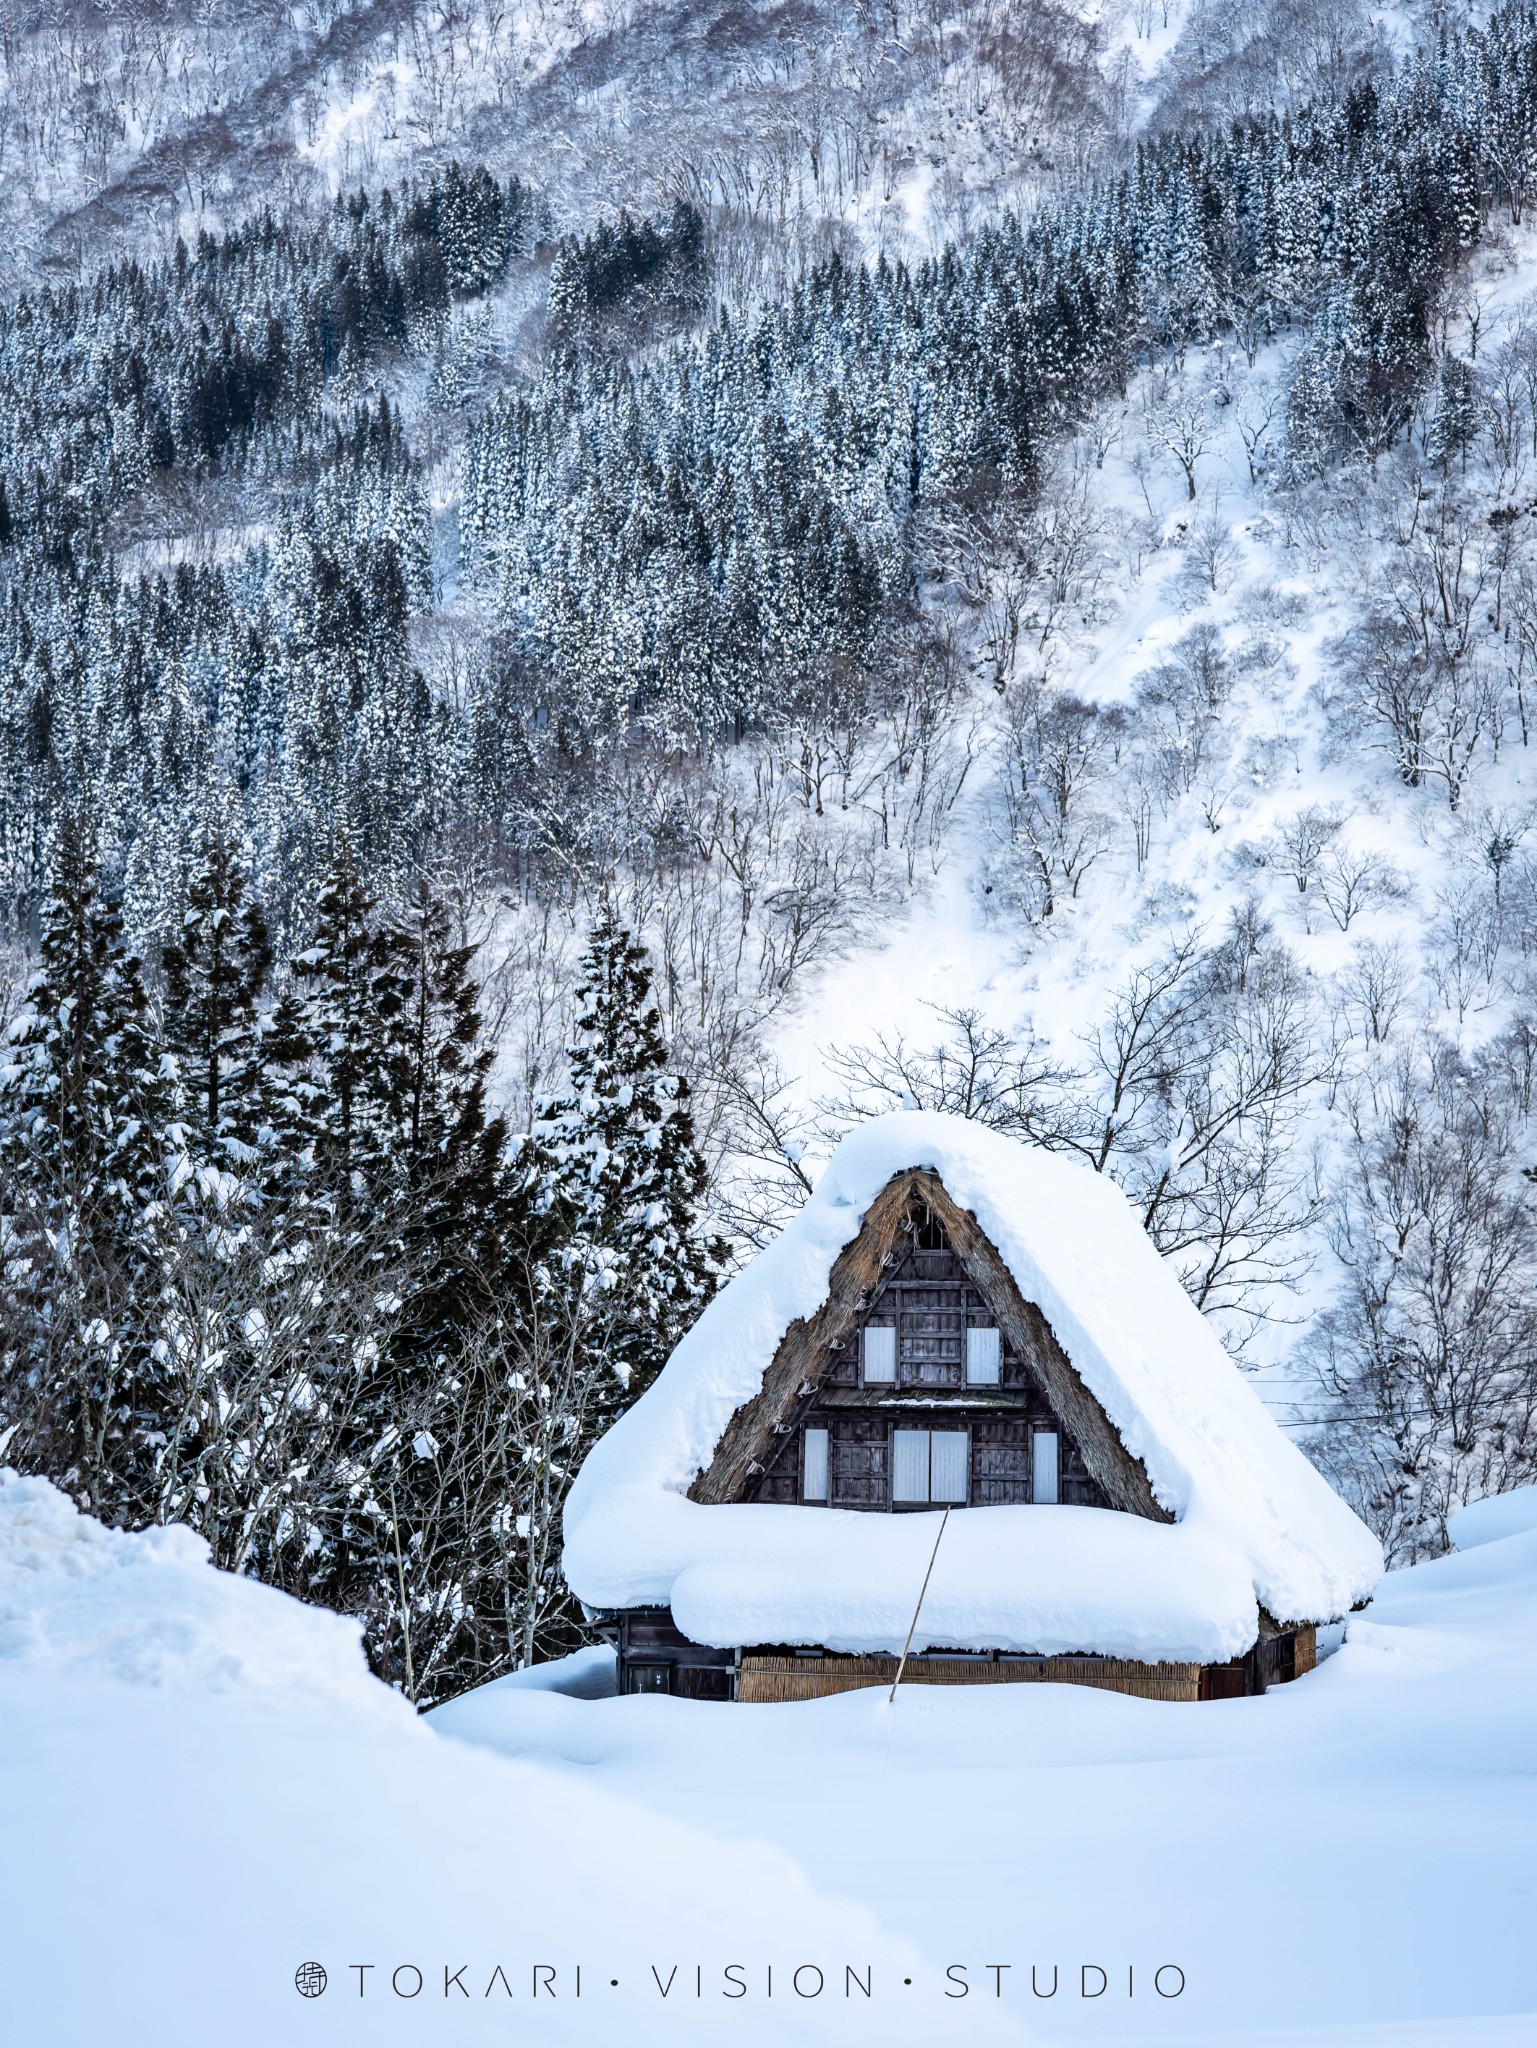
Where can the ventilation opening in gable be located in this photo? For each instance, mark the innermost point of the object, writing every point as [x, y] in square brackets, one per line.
[928, 1232]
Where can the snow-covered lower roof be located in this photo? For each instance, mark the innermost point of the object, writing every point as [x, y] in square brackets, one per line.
[1254, 1522]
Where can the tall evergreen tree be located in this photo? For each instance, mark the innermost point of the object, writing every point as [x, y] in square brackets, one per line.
[350, 998]
[626, 1166]
[83, 1106]
[431, 1099]
[215, 975]
[384, 1029]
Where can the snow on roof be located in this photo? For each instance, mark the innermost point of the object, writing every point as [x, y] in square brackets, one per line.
[1254, 1523]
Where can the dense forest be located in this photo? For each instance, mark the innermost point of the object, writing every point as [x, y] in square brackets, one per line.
[728, 538]
[472, 657]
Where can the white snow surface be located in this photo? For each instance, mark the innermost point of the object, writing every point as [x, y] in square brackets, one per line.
[589, 1674]
[87, 1602]
[203, 1788]
[1491, 1520]
[1254, 1521]
[1394, 1791]
[183, 1829]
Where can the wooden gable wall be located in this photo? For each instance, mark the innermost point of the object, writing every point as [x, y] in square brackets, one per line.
[929, 1303]
[922, 1266]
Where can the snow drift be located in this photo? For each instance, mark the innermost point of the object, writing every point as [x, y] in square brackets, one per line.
[89, 1603]
[1392, 1794]
[204, 1788]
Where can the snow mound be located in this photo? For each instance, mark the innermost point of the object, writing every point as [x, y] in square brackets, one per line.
[588, 1674]
[1395, 1791]
[150, 1610]
[1254, 1522]
[1492, 1520]
[199, 1772]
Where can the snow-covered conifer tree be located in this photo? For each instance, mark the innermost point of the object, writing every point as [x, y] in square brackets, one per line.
[215, 974]
[83, 1108]
[431, 1101]
[350, 998]
[625, 1162]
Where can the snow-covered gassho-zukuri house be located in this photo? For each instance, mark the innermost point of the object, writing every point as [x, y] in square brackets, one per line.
[955, 1319]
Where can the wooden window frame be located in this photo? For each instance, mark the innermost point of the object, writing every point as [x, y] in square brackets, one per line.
[824, 1499]
[928, 1431]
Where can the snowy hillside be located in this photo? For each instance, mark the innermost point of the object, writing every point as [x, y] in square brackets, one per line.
[883, 128]
[1282, 819]
[592, 595]
[1220, 873]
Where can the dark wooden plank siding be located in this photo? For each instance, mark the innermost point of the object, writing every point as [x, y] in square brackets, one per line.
[1077, 1487]
[655, 1656]
[1000, 1461]
[925, 1296]
[859, 1461]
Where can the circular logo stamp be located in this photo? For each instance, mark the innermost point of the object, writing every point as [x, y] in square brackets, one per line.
[310, 1979]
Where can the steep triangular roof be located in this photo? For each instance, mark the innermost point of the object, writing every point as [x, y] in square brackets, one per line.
[1226, 1513]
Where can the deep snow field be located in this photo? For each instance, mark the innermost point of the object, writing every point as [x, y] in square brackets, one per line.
[202, 1789]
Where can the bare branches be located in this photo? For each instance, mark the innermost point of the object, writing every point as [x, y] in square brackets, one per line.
[1011, 1084]
[1189, 1096]
[1181, 424]
[1414, 677]
[1429, 1358]
[1182, 701]
[1055, 754]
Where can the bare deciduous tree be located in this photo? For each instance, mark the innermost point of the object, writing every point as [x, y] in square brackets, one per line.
[1351, 880]
[1414, 675]
[1301, 840]
[1212, 555]
[1005, 1081]
[1055, 752]
[1428, 1359]
[1189, 1097]
[1180, 422]
[1182, 702]
[1376, 988]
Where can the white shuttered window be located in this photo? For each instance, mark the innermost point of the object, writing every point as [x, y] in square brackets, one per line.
[879, 1355]
[929, 1465]
[947, 1464]
[1043, 1467]
[984, 1358]
[814, 1465]
[909, 1464]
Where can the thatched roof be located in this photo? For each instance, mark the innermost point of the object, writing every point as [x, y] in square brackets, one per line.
[1221, 1514]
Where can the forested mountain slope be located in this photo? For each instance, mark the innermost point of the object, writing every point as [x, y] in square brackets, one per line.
[794, 124]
